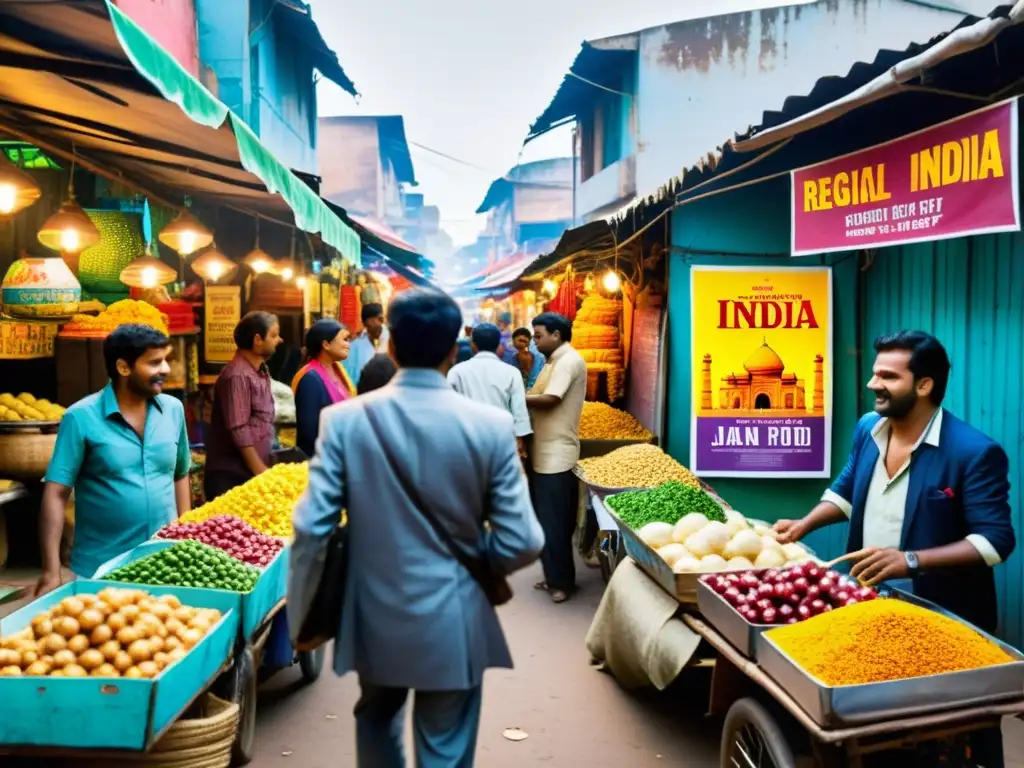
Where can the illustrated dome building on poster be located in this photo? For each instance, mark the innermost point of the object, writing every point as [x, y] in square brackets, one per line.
[764, 387]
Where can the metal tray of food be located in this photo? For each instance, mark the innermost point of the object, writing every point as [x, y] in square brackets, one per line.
[740, 633]
[682, 586]
[833, 706]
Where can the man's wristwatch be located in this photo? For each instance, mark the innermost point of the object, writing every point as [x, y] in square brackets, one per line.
[913, 565]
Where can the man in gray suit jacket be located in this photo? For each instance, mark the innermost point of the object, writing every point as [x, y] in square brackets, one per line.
[413, 617]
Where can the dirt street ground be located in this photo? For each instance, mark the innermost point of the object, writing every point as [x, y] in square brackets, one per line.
[574, 714]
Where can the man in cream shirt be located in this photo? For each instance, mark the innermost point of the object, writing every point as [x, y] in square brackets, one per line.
[556, 403]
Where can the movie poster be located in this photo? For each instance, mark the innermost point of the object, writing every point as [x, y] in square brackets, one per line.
[762, 371]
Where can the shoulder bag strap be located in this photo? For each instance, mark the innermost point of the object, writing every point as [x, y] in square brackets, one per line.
[470, 564]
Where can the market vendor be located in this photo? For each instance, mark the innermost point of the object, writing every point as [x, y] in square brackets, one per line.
[926, 494]
[124, 452]
[242, 422]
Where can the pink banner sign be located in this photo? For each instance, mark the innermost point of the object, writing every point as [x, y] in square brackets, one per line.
[953, 179]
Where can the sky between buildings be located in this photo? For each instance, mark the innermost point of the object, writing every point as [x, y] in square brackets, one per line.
[470, 76]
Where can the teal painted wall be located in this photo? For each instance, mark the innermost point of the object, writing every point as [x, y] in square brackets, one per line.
[967, 292]
[755, 221]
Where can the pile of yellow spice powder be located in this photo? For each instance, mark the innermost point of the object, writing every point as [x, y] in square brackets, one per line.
[882, 640]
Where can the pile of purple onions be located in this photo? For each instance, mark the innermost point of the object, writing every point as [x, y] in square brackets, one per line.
[787, 595]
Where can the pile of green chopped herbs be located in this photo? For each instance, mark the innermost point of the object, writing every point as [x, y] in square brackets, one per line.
[665, 504]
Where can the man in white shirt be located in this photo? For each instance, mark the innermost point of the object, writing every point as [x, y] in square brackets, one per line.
[486, 379]
[556, 403]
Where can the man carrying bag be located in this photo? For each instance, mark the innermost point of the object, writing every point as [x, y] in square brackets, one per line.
[420, 469]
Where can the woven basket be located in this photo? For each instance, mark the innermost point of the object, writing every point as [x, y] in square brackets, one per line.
[199, 742]
[25, 455]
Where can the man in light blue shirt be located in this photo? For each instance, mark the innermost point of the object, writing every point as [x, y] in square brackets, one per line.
[373, 340]
[124, 452]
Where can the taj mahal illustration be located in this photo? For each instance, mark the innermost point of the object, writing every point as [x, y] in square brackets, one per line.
[764, 387]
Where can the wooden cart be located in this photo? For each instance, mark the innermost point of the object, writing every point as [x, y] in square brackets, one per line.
[764, 726]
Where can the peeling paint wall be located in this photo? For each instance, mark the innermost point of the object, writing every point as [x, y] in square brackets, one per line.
[701, 81]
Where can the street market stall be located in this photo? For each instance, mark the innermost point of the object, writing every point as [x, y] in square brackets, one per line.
[196, 610]
[805, 659]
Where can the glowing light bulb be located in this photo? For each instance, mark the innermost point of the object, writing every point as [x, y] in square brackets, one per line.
[69, 241]
[149, 277]
[610, 281]
[286, 273]
[188, 243]
[8, 198]
[550, 287]
[300, 281]
[260, 265]
[215, 271]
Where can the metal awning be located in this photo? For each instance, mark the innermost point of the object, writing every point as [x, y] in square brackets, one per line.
[297, 18]
[595, 68]
[98, 86]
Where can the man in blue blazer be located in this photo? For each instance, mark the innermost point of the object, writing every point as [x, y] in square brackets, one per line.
[926, 494]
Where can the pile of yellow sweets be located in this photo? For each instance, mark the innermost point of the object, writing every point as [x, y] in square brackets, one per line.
[266, 502]
[120, 313]
[25, 407]
[636, 466]
[599, 421]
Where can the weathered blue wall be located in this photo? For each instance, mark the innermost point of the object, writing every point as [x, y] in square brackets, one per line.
[704, 79]
[264, 76]
[755, 221]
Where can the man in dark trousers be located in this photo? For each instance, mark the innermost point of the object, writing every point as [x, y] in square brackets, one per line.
[555, 403]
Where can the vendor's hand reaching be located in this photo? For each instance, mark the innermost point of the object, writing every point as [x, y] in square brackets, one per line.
[878, 565]
[790, 531]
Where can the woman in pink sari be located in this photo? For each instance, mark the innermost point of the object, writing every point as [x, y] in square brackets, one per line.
[322, 381]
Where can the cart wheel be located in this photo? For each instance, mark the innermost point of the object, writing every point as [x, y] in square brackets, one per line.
[752, 739]
[245, 696]
[312, 663]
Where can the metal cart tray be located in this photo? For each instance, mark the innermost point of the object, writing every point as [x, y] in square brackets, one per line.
[832, 706]
[740, 633]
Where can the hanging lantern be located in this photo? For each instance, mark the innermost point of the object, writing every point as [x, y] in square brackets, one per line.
[18, 190]
[258, 260]
[213, 265]
[611, 281]
[301, 281]
[147, 272]
[285, 269]
[186, 234]
[69, 231]
[550, 287]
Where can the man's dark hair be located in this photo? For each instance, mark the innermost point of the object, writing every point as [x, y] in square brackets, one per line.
[424, 325]
[552, 321]
[522, 332]
[376, 373]
[129, 342]
[371, 311]
[487, 337]
[928, 358]
[252, 325]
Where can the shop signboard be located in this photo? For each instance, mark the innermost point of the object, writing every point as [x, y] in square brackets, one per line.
[26, 341]
[223, 305]
[761, 351]
[950, 180]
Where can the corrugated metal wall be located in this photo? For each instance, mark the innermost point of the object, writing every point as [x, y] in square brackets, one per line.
[969, 293]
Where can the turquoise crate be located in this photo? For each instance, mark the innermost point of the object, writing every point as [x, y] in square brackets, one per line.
[253, 607]
[111, 713]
